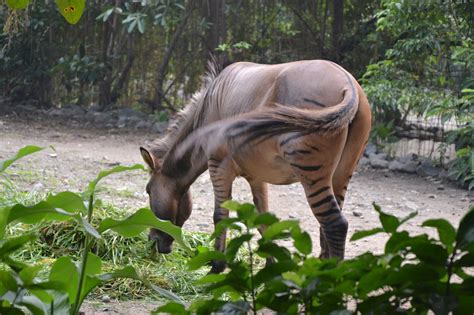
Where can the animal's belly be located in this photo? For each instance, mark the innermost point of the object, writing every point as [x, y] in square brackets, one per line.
[269, 169]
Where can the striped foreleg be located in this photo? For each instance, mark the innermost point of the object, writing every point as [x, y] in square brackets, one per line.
[222, 177]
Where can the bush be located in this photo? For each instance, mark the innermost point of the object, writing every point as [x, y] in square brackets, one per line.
[61, 288]
[415, 275]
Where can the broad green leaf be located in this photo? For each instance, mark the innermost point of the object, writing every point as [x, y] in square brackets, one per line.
[69, 201]
[28, 274]
[61, 305]
[46, 211]
[232, 223]
[71, 10]
[389, 222]
[465, 234]
[94, 264]
[65, 271]
[231, 205]
[11, 245]
[246, 211]
[372, 281]
[203, 258]
[409, 217]
[171, 308]
[138, 222]
[8, 281]
[271, 249]
[276, 229]
[18, 4]
[10, 311]
[293, 277]
[302, 241]
[466, 260]
[430, 253]
[34, 305]
[27, 150]
[266, 218]
[88, 228]
[273, 270]
[211, 278]
[446, 232]
[235, 244]
[118, 169]
[362, 234]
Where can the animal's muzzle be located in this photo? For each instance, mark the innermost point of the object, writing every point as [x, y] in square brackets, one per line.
[162, 241]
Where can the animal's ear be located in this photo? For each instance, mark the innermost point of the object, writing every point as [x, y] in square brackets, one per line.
[148, 158]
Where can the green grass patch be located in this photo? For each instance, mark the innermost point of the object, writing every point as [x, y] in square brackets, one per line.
[167, 271]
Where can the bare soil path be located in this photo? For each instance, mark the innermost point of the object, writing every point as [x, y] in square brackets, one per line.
[81, 153]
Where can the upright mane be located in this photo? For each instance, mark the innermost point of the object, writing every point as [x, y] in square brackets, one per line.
[189, 118]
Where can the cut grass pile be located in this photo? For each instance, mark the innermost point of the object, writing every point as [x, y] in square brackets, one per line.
[57, 239]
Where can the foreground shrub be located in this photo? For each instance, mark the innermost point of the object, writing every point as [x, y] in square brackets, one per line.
[68, 281]
[415, 275]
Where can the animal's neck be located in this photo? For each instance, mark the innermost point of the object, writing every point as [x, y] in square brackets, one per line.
[185, 169]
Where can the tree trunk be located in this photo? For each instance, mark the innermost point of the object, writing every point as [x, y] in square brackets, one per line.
[217, 32]
[162, 69]
[109, 33]
[337, 25]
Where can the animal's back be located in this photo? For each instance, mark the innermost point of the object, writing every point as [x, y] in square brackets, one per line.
[243, 87]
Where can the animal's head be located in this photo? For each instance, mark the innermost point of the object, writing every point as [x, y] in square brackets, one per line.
[167, 201]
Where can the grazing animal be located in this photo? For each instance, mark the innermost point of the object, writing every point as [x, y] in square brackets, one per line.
[304, 121]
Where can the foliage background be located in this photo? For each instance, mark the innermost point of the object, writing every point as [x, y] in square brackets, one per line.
[414, 58]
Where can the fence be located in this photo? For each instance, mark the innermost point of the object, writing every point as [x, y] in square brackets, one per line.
[425, 137]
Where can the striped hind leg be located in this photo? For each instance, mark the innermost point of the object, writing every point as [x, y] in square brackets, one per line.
[314, 161]
[333, 224]
[222, 176]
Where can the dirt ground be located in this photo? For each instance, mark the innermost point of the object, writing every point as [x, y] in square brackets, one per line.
[80, 154]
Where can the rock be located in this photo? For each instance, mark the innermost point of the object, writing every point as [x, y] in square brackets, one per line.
[105, 298]
[73, 110]
[125, 121]
[440, 188]
[101, 118]
[130, 112]
[432, 196]
[55, 112]
[427, 169]
[370, 149]
[144, 124]
[378, 164]
[408, 158]
[409, 167]
[357, 213]
[443, 174]
[25, 108]
[378, 156]
[364, 161]
[94, 109]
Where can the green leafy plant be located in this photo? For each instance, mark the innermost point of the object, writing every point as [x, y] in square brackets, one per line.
[415, 274]
[68, 282]
[71, 10]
